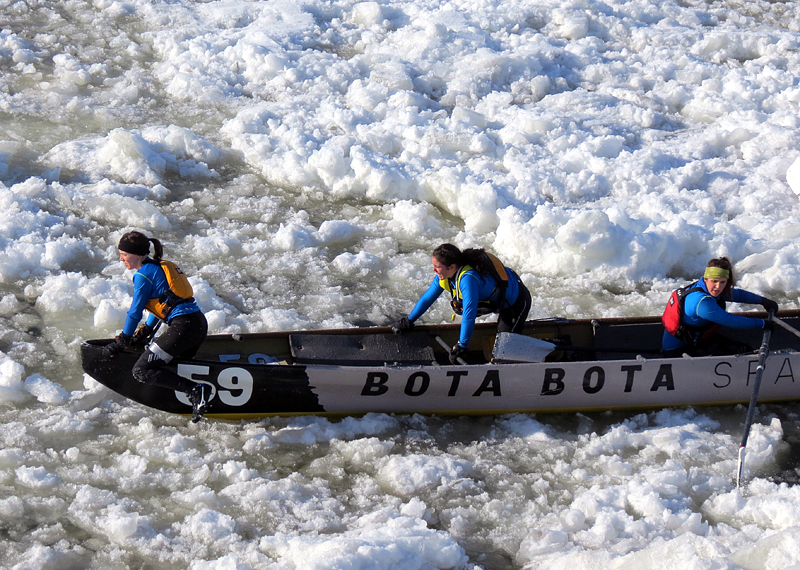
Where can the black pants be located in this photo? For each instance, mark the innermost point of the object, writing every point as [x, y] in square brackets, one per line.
[183, 337]
[513, 318]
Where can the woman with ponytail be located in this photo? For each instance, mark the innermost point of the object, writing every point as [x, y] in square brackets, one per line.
[186, 325]
[479, 284]
[703, 312]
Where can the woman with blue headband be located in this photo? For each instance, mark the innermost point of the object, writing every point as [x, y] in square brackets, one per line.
[704, 312]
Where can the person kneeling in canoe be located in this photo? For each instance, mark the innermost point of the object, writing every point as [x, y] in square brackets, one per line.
[187, 327]
[479, 284]
[701, 311]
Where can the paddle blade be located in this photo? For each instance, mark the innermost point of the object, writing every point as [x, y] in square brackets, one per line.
[741, 468]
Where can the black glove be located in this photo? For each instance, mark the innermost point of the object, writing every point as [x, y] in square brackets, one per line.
[142, 335]
[769, 305]
[402, 325]
[119, 344]
[457, 352]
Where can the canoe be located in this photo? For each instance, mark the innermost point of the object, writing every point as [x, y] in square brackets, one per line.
[554, 365]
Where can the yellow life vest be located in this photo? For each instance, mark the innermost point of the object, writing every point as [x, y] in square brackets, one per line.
[495, 300]
[180, 291]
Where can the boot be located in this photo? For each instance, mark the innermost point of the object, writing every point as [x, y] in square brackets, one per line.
[198, 396]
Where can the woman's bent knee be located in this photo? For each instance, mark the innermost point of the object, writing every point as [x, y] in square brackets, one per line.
[146, 368]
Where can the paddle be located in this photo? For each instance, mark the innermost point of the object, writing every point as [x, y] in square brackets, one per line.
[446, 346]
[751, 409]
[789, 328]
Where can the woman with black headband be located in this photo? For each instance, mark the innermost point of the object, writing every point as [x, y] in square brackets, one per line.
[187, 326]
[704, 311]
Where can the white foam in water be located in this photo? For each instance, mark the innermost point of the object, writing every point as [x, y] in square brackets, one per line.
[300, 162]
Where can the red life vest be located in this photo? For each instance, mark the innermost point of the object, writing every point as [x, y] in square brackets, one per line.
[672, 319]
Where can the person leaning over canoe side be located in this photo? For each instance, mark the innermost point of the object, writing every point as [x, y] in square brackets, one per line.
[704, 312]
[479, 284]
[186, 325]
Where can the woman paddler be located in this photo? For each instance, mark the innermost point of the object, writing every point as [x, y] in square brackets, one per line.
[704, 311]
[186, 325]
[479, 284]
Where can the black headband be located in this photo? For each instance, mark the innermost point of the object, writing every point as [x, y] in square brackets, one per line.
[136, 247]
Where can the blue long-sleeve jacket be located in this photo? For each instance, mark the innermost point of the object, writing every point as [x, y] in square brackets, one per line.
[150, 282]
[475, 287]
[701, 310]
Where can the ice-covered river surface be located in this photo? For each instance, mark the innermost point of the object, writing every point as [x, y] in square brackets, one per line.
[300, 161]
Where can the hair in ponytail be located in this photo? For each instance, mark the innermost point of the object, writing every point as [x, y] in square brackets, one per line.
[448, 255]
[139, 244]
[477, 258]
[158, 250]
